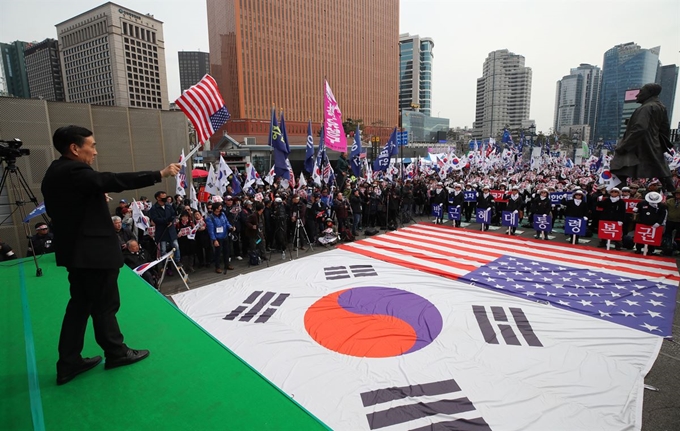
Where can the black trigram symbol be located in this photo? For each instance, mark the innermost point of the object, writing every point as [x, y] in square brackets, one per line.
[504, 326]
[340, 272]
[442, 399]
[254, 310]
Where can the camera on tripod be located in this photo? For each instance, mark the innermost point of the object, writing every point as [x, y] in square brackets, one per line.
[12, 149]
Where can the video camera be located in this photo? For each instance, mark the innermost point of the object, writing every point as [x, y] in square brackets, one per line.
[12, 149]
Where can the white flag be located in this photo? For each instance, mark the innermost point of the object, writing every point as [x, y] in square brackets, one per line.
[141, 221]
[181, 177]
[303, 182]
[193, 198]
[223, 175]
[270, 176]
[211, 185]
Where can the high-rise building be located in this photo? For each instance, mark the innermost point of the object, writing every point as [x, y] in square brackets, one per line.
[667, 77]
[503, 94]
[576, 99]
[111, 55]
[415, 73]
[193, 65]
[624, 67]
[263, 54]
[16, 80]
[44, 71]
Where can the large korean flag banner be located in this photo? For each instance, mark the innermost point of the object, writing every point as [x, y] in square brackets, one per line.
[429, 327]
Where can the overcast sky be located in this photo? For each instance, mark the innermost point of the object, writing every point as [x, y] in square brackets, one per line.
[553, 36]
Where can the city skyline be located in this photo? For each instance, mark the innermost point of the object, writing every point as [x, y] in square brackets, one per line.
[553, 37]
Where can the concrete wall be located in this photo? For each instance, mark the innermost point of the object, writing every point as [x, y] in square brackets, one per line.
[128, 139]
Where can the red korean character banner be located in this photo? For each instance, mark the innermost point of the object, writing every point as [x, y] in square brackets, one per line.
[610, 230]
[630, 204]
[203, 196]
[498, 195]
[645, 234]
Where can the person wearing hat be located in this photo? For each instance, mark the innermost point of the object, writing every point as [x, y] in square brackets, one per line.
[651, 212]
[541, 205]
[673, 221]
[576, 207]
[485, 201]
[439, 196]
[640, 153]
[455, 199]
[122, 205]
[613, 210]
[42, 242]
[515, 204]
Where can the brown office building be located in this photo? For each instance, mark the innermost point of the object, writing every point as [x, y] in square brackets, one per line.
[265, 53]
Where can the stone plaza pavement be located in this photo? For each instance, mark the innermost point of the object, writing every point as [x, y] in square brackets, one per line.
[661, 407]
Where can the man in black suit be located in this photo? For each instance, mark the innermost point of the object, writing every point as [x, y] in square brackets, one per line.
[86, 243]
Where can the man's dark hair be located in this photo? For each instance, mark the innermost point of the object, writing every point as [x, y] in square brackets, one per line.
[259, 206]
[157, 194]
[65, 136]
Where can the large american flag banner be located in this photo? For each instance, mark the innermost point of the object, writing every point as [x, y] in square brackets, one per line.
[618, 287]
[204, 106]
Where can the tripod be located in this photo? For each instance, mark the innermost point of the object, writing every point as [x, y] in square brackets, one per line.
[300, 226]
[20, 190]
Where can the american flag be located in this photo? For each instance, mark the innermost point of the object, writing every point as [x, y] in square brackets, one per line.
[619, 287]
[203, 105]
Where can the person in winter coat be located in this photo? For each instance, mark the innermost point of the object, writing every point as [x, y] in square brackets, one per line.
[485, 201]
[515, 204]
[576, 207]
[439, 197]
[218, 229]
[613, 209]
[456, 200]
[651, 212]
[541, 205]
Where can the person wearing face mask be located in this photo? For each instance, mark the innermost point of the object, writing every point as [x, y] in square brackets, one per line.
[456, 200]
[468, 207]
[515, 204]
[651, 212]
[613, 209]
[484, 202]
[541, 205]
[439, 197]
[576, 207]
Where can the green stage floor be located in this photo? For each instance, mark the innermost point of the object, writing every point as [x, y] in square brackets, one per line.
[190, 381]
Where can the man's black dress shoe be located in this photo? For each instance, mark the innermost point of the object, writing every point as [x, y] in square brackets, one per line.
[131, 357]
[87, 364]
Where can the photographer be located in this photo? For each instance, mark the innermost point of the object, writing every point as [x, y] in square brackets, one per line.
[356, 207]
[280, 221]
[297, 216]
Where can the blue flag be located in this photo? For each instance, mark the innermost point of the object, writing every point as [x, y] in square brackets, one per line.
[278, 141]
[39, 210]
[309, 151]
[390, 149]
[507, 137]
[236, 184]
[355, 154]
[392, 142]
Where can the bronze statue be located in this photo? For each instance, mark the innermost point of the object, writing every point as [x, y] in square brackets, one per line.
[640, 153]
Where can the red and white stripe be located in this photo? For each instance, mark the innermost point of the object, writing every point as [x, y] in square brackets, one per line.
[451, 253]
[199, 102]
